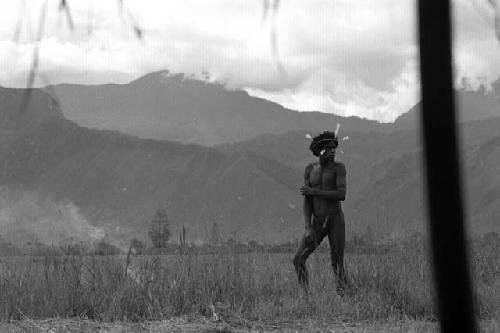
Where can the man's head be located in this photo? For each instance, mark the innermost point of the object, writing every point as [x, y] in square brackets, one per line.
[324, 146]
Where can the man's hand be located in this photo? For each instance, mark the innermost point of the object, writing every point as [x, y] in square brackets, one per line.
[307, 190]
[310, 235]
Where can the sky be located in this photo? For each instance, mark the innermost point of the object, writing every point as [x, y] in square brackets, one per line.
[339, 56]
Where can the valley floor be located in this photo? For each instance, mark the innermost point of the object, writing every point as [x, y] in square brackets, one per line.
[201, 324]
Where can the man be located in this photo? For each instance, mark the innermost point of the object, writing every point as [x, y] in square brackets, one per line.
[324, 189]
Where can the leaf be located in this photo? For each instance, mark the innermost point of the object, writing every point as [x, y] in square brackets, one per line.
[138, 32]
[34, 65]
[496, 8]
[63, 6]
[337, 128]
[22, 13]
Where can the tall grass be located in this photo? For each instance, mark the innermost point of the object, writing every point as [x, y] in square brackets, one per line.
[232, 287]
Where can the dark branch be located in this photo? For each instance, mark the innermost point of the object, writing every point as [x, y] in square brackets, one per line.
[64, 7]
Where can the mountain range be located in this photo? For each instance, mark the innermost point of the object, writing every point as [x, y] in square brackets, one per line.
[176, 107]
[472, 105]
[245, 179]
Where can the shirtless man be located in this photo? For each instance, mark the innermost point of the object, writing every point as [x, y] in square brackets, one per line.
[324, 189]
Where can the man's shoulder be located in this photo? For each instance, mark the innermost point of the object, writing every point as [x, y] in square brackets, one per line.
[311, 165]
[309, 169]
[339, 165]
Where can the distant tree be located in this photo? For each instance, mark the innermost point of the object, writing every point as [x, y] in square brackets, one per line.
[137, 246]
[104, 248]
[231, 243]
[159, 231]
[72, 249]
[182, 240]
[253, 244]
[215, 237]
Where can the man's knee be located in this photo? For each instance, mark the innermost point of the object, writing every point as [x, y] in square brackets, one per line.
[336, 261]
[298, 261]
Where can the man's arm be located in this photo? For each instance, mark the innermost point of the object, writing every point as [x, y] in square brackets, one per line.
[307, 206]
[337, 194]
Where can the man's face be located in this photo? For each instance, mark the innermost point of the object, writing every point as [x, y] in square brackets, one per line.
[328, 152]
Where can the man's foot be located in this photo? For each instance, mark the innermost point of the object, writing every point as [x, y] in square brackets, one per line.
[340, 290]
[345, 288]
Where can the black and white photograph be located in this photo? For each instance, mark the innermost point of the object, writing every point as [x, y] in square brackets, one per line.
[249, 166]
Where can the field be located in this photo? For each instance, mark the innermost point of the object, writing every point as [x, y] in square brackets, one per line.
[254, 290]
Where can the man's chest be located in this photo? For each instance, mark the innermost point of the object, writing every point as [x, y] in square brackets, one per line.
[324, 178]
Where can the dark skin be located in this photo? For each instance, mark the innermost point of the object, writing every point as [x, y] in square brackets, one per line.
[323, 192]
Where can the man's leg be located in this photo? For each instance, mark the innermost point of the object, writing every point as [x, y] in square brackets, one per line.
[336, 237]
[306, 246]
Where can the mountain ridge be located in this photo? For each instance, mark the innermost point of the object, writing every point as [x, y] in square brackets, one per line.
[250, 189]
[168, 106]
[471, 105]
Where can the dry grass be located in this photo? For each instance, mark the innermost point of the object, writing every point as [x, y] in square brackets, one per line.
[201, 324]
[238, 289]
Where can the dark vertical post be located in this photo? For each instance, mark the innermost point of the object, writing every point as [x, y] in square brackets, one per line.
[451, 272]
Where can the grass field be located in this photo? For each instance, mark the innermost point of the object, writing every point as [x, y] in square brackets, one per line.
[240, 289]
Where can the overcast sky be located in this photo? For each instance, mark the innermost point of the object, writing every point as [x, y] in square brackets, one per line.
[342, 56]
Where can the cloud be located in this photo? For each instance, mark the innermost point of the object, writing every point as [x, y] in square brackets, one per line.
[347, 57]
[476, 50]
[331, 92]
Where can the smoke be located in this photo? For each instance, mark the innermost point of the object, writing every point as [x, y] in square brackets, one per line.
[29, 217]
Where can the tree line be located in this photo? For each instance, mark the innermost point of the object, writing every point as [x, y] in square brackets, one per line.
[160, 237]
